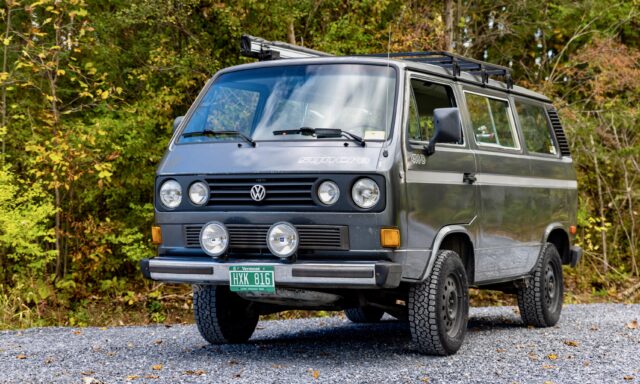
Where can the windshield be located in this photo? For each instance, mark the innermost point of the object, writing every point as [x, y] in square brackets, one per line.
[355, 98]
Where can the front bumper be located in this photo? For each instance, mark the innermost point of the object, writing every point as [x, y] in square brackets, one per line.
[308, 274]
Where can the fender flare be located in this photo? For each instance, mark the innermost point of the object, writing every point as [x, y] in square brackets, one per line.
[565, 254]
[550, 228]
[437, 241]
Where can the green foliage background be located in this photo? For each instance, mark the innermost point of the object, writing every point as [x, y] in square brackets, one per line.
[89, 89]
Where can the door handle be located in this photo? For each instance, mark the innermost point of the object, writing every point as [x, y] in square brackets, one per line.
[469, 178]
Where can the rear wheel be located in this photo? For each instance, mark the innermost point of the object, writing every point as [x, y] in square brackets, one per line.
[540, 301]
[222, 316]
[364, 314]
[439, 307]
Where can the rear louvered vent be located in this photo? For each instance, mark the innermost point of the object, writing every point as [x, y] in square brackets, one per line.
[247, 236]
[282, 191]
[563, 143]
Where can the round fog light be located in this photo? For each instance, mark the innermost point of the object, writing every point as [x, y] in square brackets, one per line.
[214, 239]
[282, 239]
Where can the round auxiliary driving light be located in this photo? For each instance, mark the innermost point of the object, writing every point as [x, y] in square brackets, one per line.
[283, 240]
[214, 239]
[365, 193]
[328, 192]
[199, 193]
[171, 194]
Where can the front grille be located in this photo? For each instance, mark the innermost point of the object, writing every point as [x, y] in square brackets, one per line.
[563, 143]
[281, 191]
[248, 236]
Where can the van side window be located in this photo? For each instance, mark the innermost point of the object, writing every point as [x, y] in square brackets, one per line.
[492, 121]
[425, 97]
[535, 128]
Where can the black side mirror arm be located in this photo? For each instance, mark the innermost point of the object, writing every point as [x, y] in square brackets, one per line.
[430, 148]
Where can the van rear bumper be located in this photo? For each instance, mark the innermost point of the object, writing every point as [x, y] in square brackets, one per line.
[308, 274]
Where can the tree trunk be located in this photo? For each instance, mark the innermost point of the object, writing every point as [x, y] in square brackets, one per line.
[603, 232]
[3, 123]
[449, 24]
[291, 34]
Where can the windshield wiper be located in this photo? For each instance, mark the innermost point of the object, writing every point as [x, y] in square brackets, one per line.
[321, 133]
[211, 132]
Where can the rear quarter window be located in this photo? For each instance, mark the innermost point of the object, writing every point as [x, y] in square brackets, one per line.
[535, 128]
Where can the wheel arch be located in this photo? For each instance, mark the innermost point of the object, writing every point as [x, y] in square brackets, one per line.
[557, 235]
[455, 238]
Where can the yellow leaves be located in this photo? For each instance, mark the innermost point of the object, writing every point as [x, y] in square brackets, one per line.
[78, 12]
[104, 170]
[571, 343]
[6, 41]
[552, 356]
[197, 372]
[157, 367]
[315, 374]
[21, 356]
[4, 76]
[104, 95]
[132, 377]
[56, 158]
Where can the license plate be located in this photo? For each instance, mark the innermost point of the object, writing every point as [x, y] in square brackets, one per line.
[252, 279]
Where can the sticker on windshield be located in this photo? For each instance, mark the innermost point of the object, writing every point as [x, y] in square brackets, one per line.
[374, 135]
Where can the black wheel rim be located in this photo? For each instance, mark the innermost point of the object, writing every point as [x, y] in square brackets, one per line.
[552, 288]
[452, 304]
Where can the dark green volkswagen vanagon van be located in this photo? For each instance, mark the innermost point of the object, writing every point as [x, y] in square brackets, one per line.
[371, 184]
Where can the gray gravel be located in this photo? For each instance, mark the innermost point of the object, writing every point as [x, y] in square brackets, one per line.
[591, 344]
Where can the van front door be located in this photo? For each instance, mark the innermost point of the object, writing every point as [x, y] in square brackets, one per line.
[437, 193]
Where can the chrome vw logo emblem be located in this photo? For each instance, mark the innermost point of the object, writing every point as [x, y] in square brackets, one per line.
[258, 192]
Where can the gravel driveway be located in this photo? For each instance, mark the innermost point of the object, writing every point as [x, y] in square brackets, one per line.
[592, 343]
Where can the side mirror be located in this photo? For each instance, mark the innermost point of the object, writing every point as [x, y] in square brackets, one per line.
[447, 128]
[176, 122]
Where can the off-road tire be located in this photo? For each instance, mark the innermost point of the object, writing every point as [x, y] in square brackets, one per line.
[222, 316]
[540, 301]
[428, 307]
[364, 314]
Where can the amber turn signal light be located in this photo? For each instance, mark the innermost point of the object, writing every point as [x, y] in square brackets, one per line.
[573, 229]
[156, 235]
[390, 237]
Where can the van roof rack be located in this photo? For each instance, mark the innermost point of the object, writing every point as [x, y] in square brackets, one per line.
[456, 63]
[263, 50]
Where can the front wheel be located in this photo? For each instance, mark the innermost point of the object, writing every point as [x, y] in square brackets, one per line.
[540, 301]
[439, 307]
[222, 316]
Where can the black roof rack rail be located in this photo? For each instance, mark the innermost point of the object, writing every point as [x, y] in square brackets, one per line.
[455, 63]
[264, 50]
